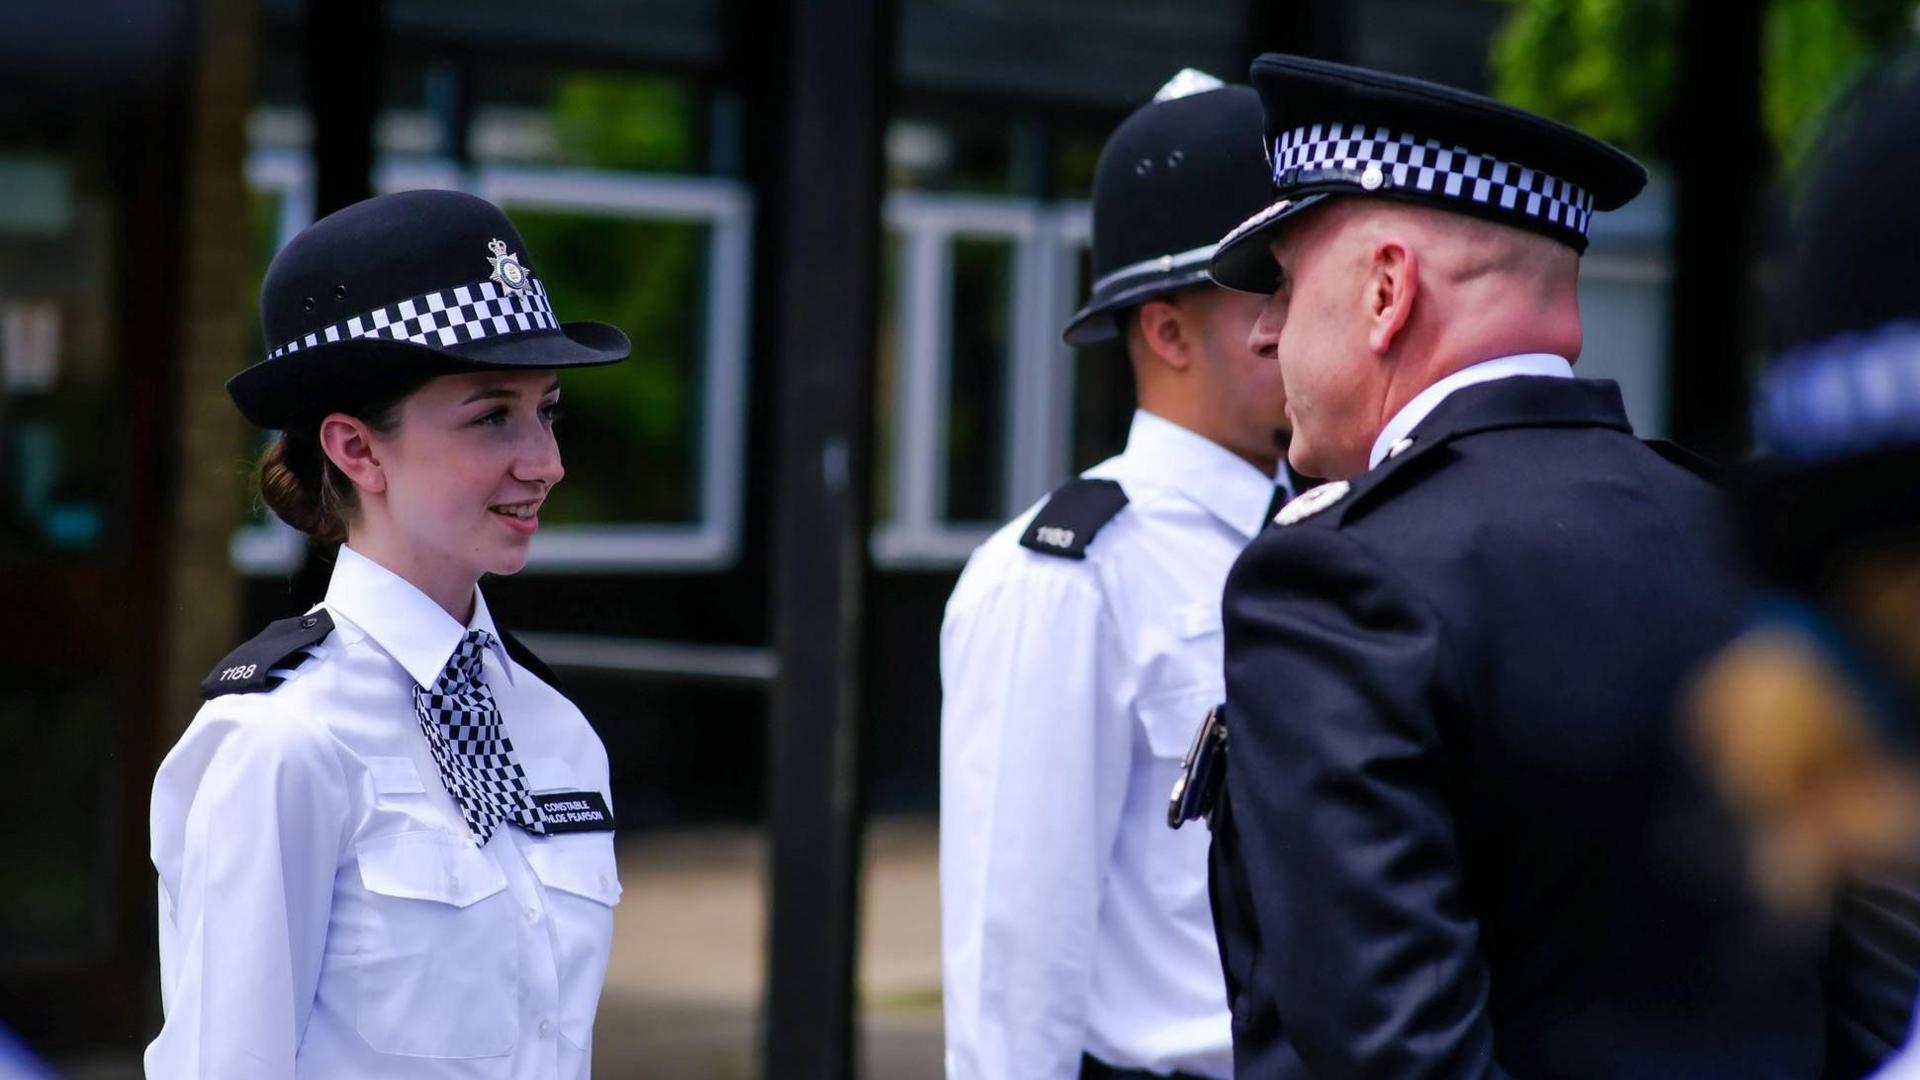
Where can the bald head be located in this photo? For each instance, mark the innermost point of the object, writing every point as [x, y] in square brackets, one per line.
[1379, 300]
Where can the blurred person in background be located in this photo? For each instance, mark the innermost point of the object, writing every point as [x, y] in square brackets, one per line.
[1457, 836]
[1081, 647]
[384, 845]
[1808, 719]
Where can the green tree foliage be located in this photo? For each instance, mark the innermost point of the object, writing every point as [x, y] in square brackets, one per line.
[1815, 50]
[1604, 66]
[1607, 66]
[634, 426]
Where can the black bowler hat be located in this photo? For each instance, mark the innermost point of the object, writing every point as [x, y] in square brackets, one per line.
[1338, 130]
[1171, 180]
[1837, 415]
[399, 288]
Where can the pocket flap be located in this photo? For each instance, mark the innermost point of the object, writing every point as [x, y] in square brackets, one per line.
[1171, 717]
[394, 775]
[428, 865]
[1198, 620]
[580, 863]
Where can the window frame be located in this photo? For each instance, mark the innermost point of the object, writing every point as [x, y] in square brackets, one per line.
[1038, 395]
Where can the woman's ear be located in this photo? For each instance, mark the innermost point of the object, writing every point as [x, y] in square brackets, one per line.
[1393, 282]
[348, 443]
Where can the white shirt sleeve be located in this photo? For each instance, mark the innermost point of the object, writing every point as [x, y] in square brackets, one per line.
[1035, 749]
[250, 812]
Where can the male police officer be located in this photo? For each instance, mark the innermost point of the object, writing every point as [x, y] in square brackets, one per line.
[1082, 645]
[1457, 838]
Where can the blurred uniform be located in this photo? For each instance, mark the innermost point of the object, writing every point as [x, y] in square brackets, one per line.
[1079, 651]
[1811, 718]
[1458, 837]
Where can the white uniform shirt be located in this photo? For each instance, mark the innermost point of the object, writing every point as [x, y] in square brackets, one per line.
[1073, 919]
[323, 909]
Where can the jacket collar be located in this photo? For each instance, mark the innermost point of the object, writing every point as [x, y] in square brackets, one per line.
[1519, 402]
[1423, 403]
[1524, 401]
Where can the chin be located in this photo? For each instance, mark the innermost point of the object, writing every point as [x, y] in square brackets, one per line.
[508, 562]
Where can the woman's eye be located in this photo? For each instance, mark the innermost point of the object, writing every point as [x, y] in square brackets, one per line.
[552, 411]
[492, 419]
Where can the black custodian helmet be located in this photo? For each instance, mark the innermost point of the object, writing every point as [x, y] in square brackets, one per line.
[1171, 181]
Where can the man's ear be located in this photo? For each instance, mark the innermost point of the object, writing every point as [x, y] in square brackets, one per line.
[1393, 283]
[1163, 329]
[348, 443]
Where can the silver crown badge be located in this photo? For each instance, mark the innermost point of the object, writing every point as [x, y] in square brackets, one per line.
[507, 271]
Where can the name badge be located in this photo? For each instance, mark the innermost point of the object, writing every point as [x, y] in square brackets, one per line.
[574, 811]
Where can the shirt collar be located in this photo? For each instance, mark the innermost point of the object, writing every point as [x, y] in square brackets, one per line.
[1423, 403]
[414, 630]
[1221, 481]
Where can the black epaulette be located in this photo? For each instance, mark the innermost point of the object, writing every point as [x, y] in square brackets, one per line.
[526, 659]
[1073, 513]
[1698, 464]
[260, 664]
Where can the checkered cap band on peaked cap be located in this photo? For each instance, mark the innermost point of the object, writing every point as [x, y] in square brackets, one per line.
[1384, 161]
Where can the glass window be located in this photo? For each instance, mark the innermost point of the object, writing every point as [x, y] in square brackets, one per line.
[630, 431]
[65, 470]
[887, 385]
[980, 355]
[598, 120]
[1103, 392]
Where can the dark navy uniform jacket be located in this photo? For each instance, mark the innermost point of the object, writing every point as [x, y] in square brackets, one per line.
[1460, 837]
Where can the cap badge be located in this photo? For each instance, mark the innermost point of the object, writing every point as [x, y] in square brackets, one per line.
[506, 267]
[1312, 502]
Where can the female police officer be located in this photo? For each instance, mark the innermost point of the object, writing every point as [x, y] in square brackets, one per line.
[384, 844]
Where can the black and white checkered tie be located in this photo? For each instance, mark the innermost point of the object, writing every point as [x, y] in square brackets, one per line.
[471, 746]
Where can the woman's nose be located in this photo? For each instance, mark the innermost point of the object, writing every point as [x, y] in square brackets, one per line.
[541, 460]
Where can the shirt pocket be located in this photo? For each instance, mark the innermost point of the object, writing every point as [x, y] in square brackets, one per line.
[1176, 859]
[581, 886]
[1172, 717]
[441, 977]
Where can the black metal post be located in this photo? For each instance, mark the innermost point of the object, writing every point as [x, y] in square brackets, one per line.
[823, 209]
[1721, 163]
[344, 53]
[1317, 28]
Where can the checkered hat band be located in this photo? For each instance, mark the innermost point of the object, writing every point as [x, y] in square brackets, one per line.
[1846, 395]
[454, 316]
[1409, 163]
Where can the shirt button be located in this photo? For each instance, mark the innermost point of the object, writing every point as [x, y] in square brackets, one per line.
[546, 1028]
[453, 882]
[533, 915]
